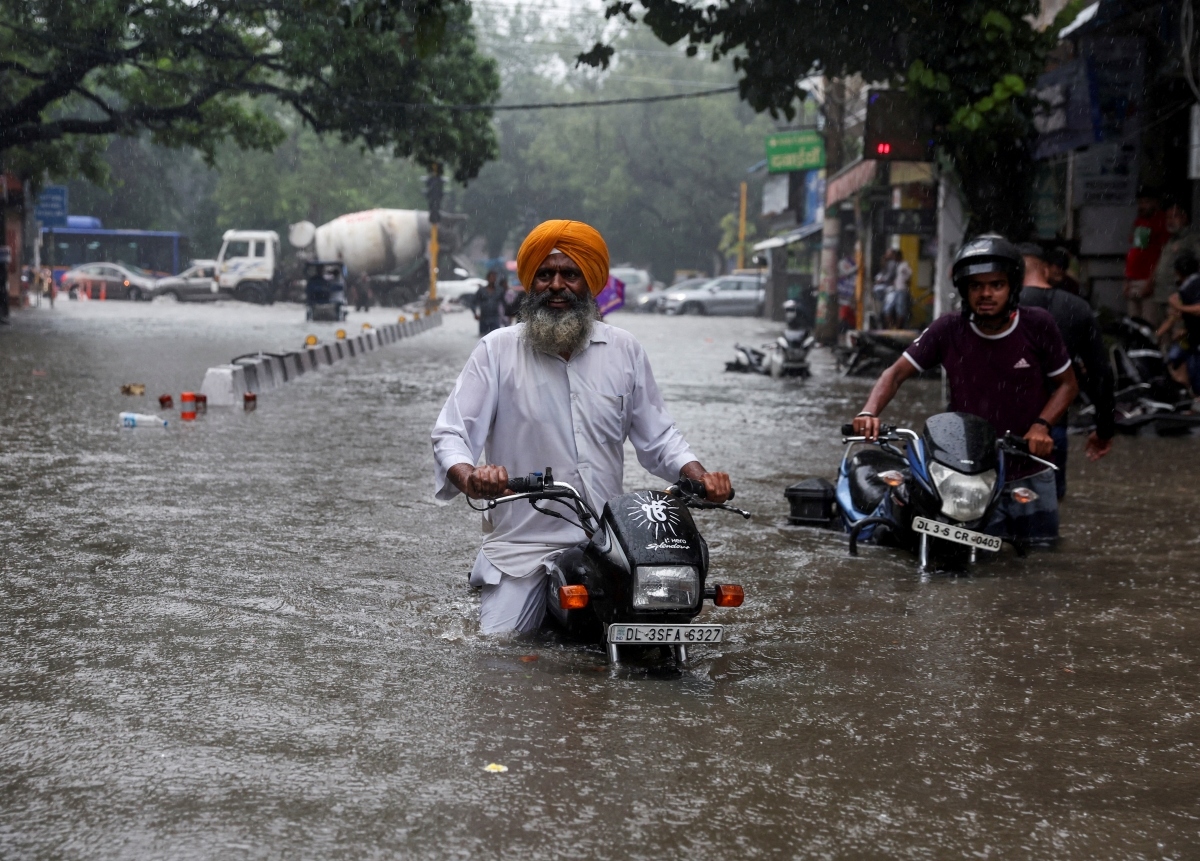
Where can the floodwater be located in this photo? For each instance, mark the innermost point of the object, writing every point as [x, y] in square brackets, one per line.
[252, 637]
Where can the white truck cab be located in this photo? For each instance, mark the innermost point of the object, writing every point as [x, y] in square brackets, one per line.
[247, 265]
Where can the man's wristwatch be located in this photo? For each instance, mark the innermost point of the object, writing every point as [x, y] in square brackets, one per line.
[1041, 421]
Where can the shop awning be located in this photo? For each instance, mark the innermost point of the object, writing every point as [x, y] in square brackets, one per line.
[849, 179]
[789, 238]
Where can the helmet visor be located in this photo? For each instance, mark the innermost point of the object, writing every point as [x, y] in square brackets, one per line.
[983, 267]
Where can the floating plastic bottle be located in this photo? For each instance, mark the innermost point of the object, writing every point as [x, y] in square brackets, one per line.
[141, 420]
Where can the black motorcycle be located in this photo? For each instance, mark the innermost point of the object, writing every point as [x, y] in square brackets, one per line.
[870, 353]
[641, 576]
[931, 497]
[1146, 394]
[787, 356]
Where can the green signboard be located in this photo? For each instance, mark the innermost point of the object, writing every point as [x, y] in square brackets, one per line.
[798, 150]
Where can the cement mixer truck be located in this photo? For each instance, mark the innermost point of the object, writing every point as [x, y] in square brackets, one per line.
[385, 246]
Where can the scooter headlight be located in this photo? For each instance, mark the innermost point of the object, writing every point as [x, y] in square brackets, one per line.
[964, 497]
[665, 587]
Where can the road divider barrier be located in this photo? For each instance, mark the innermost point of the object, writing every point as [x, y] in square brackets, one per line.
[249, 375]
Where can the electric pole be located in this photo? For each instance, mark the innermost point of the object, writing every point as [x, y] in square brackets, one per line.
[742, 229]
[433, 194]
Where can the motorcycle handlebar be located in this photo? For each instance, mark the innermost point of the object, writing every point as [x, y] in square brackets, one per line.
[695, 488]
[1018, 444]
[884, 430]
[519, 485]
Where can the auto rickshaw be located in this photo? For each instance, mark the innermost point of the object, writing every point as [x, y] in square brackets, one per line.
[325, 290]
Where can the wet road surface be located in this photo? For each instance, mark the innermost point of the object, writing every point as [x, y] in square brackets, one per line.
[252, 637]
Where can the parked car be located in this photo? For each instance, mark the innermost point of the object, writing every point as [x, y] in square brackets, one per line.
[638, 284]
[197, 283]
[109, 281]
[727, 295]
[656, 302]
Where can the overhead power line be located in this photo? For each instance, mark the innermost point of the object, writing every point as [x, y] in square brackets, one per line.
[537, 106]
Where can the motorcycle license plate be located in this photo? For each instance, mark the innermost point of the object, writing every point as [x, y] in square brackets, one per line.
[666, 634]
[955, 533]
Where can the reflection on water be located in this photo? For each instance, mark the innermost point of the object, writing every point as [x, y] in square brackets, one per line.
[253, 636]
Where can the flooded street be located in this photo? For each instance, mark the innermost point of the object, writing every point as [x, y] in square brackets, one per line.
[252, 636]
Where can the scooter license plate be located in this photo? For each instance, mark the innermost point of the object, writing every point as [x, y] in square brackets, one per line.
[665, 634]
[957, 534]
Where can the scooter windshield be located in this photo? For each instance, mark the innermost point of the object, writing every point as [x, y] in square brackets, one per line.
[963, 442]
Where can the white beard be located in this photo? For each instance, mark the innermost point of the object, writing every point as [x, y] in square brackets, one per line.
[556, 332]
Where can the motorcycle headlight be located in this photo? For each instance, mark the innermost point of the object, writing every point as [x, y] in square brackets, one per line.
[666, 587]
[964, 497]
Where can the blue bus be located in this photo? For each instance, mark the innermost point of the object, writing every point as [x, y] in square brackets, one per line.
[160, 252]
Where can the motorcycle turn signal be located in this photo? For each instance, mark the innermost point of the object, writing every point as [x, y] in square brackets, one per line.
[1023, 495]
[572, 597]
[892, 477]
[728, 595]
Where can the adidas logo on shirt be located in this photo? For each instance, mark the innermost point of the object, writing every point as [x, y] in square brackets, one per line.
[1021, 363]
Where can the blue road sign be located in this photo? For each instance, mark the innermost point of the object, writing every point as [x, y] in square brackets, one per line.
[51, 208]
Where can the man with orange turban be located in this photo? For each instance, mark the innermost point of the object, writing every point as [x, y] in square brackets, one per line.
[561, 389]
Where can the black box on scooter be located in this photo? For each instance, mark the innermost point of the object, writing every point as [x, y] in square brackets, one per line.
[811, 502]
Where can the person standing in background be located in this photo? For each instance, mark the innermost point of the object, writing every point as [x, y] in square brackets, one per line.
[1181, 237]
[846, 289]
[1085, 346]
[1145, 247]
[489, 304]
[1058, 271]
[883, 283]
[896, 306]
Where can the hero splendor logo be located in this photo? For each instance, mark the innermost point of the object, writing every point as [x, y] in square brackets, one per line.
[656, 515]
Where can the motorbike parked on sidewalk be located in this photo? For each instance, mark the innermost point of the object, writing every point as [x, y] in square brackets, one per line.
[932, 497]
[641, 575]
[871, 352]
[1146, 394]
[787, 356]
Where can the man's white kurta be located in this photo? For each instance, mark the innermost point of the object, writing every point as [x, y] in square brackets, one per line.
[526, 411]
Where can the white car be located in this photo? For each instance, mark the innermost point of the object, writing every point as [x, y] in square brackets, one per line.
[638, 285]
[657, 301]
[740, 295]
[454, 291]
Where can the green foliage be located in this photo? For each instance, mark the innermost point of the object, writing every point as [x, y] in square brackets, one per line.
[193, 73]
[970, 63]
[655, 179]
[975, 83]
[728, 246]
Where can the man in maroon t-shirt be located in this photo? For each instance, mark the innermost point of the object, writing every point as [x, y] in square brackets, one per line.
[1004, 363]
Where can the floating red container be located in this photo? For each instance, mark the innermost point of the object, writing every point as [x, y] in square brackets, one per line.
[187, 406]
[201, 403]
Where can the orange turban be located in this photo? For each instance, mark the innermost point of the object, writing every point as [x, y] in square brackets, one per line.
[581, 242]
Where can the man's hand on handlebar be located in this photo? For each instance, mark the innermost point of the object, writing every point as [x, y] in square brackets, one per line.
[482, 482]
[867, 426]
[1040, 442]
[717, 487]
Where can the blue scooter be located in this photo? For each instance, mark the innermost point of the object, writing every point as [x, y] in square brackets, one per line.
[930, 493]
